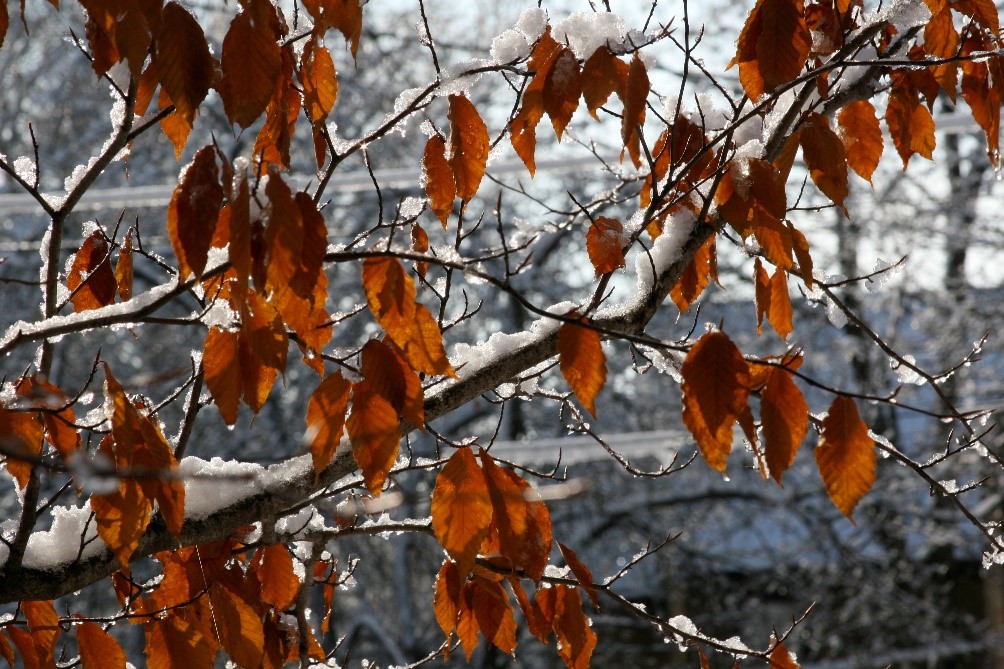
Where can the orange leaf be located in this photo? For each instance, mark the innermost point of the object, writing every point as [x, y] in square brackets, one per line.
[467, 623]
[390, 376]
[780, 658]
[468, 146]
[284, 235]
[176, 127]
[326, 418]
[345, 16]
[509, 507]
[523, 128]
[605, 244]
[265, 333]
[716, 381]
[636, 97]
[581, 572]
[824, 155]
[784, 415]
[251, 63]
[700, 271]
[862, 137]
[461, 509]
[22, 434]
[122, 517]
[438, 178]
[576, 638]
[320, 85]
[26, 648]
[424, 350]
[222, 371]
[123, 268]
[582, 362]
[562, 89]
[536, 550]
[494, 614]
[910, 123]
[779, 309]
[98, 648]
[390, 293]
[91, 279]
[762, 293]
[193, 211]
[172, 643]
[845, 455]
[239, 236]
[182, 60]
[773, 46]
[603, 74]
[44, 625]
[374, 430]
[237, 625]
[535, 621]
[801, 247]
[447, 597]
[279, 584]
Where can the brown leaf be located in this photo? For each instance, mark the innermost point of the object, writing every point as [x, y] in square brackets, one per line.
[390, 376]
[44, 625]
[467, 623]
[193, 211]
[582, 362]
[605, 244]
[910, 123]
[581, 572]
[636, 97]
[494, 614]
[773, 46]
[779, 311]
[509, 507]
[237, 626]
[603, 74]
[326, 418]
[91, 279]
[697, 276]
[784, 415]
[424, 350]
[716, 381]
[438, 178]
[374, 430]
[176, 127]
[123, 268]
[862, 137]
[173, 643]
[576, 638]
[762, 293]
[447, 597]
[523, 127]
[468, 146]
[345, 16]
[845, 455]
[390, 293]
[780, 658]
[284, 235]
[824, 155]
[222, 371]
[251, 64]
[279, 583]
[320, 85]
[562, 89]
[98, 648]
[461, 509]
[121, 518]
[182, 60]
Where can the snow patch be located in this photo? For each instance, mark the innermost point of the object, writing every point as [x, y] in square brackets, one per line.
[585, 32]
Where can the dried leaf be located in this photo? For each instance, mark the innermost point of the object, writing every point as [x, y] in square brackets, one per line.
[251, 64]
[447, 597]
[123, 268]
[636, 97]
[716, 381]
[779, 311]
[824, 155]
[509, 507]
[468, 146]
[438, 178]
[374, 430]
[222, 371]
[461, 509]
[862, 137]
[345, 16]
[193, 211]
[603, 74]
[98, 648]
[562, 89]
[523, 127]
[582, 362]
[320, 85]
[326, 418]
[605, 244]
[581, 572]
[780, 658]
[494, 614]
[44, 625]
[172, 643]
[773, 46]
[182, 60]
[91, 279]
[237, 626]
[784, 415]
[845, 455]
[424, 350]
[279, 583]
[576, 638]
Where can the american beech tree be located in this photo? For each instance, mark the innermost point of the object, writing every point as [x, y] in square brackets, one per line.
[211, 557]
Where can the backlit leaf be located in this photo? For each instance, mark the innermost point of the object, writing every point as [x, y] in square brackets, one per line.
[447, 597]
[509, 507]
[438, 178]
[468, 146]
[390, 376]
[237, 626]
[91, 279]
[172, 643]
[773, 46]
[424, 349]
[467, 623]
[779, 311]
[581, 572]
[780, 658]
[582, 362]
[761, 282]
[279, 584]
[562, 89]
[784, 415]
[862, 137]
[461, 509]
[390, 293]
[374, 430]
[250, 62]
[823, 153]
[910, 123]
[845, 455]
[345, 16]
[44, 625]
[123, 268]
[182, 60]
[697, 276]
[716, 382]
[222, 371]
[605, 244]
[603, 74]
[193, 211]
[494, 614]
[122, 517]
[98, 648]
[175, 125]
[320, 85]
[326, 418]
[636, 97]
[576, 638]
[523, 128]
